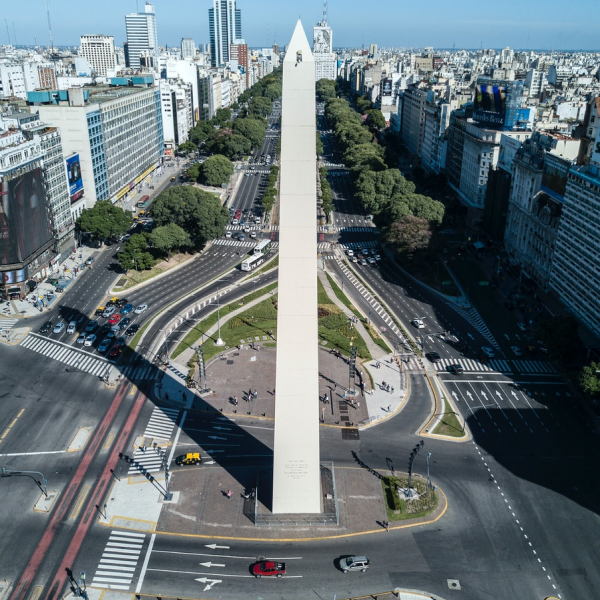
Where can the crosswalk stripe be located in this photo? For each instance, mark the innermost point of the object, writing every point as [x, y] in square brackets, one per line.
[114, 564]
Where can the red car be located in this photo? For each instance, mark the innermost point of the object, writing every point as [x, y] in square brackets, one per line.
[115, 352]
[113, 319]
[265, 568]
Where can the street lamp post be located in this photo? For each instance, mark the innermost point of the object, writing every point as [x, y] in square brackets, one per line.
[137, 279]
[219, 341]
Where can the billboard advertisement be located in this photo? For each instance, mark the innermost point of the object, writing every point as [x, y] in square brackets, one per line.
[490, 104]
[554, 179]
[24, 223]
[74, 175]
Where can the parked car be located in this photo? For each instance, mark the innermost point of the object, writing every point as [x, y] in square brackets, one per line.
[46, 327]
[266, 568]
[59, 328]
[90, 260]
[354, 563]
[72, 327]
[140, 309]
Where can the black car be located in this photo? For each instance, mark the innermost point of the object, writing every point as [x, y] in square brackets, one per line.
[125, 322]
[121, 302]
[434, 357]
[46, 327]
[456, 369]
[133, 329]
[104, 329]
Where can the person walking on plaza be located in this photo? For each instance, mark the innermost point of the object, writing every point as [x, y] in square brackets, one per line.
[229, 494]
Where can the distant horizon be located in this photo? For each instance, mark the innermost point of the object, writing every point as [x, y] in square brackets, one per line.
[541, 25]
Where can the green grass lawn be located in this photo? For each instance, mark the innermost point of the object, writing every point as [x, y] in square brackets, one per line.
[449, 424]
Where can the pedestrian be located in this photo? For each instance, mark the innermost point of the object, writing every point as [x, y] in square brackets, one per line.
[389, 408]
[250, 392]
[258, 348]
[386, 525]
[166, 396]
[255, 394]
[392, 390]
[383, 384]
[235, 401]
[229, 494]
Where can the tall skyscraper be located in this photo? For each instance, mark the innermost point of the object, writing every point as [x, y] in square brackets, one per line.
[99, 51]
[225, 28]
[325, 60]
[188, 48]
[141, 35]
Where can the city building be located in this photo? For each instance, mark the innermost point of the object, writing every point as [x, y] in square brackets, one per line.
[116, 130]
[575, 274]
[238, 56]
[225, 28]
[325, 58]
[142, 39]
[99, 51]
[26, 238]
[177, 113]
[413, 101]
[188, 48]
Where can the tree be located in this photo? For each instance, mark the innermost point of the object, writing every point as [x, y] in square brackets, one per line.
[252, 128]
[364, 156]
[363, 104]
[325, 89]
[187, 147]
[375, 120]
[194, 172]
[272, 91]
[590, 381]
[200, 132]
[319, 145]
[222, 115]
[235, 106]
[408, 235]
[426, 208]
[216, 170]
[135, 254]
[197, 212]
[229, 144]
[260, 106]
[104, 220]
[169, 237]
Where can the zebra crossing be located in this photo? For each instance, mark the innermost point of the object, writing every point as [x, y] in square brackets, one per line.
[473, 366]
[534, 367]
[7, 323]
[473, 317]
[142, 372]
[79, 359]
[238, 244]
[344, 229]
[118, 563]
[159, 428]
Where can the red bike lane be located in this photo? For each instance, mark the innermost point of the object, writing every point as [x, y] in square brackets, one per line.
[69, 494]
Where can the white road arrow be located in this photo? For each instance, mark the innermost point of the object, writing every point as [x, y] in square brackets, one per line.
[221, 428]
[211, 451]
[224, 419]
[498, 394]
[209, 582]
[484, 395]
[469, 394]
[209, 564]
[455, 396]
[214, 546]
[470, 336]
[214, 437]
[208, 462]
[514, 394]
[506, 336]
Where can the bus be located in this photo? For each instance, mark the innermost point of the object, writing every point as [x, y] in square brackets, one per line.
[143, 202]
[250, 263]
[263, 247]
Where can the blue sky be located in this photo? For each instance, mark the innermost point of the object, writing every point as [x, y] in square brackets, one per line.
[536, 24]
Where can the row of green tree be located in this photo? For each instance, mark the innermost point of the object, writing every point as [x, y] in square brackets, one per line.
[326, 195]
[270, 193]
[407, 219]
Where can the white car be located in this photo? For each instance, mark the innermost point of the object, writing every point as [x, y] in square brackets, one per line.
[418, 323]
[81, 338]
[140, 309]
[350, 252]
[228, 234]
[72, 327]
[90, 339]
[489, 352]
[59, 328]
[253, 235]
[354, 259]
